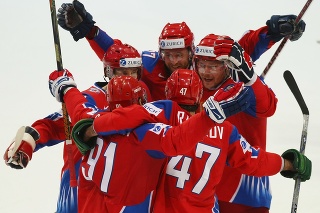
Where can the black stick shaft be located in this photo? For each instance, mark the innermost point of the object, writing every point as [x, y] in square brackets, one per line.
[297, 94]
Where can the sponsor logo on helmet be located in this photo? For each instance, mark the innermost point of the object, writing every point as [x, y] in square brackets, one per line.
[130, 62]
[205, 51]
[172, 43]
[137, 89]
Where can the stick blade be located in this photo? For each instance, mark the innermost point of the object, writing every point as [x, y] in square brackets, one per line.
[292, 84]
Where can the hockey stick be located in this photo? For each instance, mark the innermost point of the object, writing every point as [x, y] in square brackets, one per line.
[297, 94]
[73, 179]
[284, 41]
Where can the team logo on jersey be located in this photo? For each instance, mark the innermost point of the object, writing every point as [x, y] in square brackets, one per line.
[172, 43]
[204, 51]
[130, 62]
[246, 147]
[158, 127]
[94, 90]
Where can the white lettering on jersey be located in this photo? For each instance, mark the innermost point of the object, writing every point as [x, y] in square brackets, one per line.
[150, 54]
[181, 116]
[109, 156]
[216, 132]
[92, 160]
[183, 173]
[152, 109]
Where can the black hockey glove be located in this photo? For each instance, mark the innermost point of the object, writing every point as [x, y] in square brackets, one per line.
[301, 164]
[75, 19]
[78, 132]
[280, 26]
[244, 66]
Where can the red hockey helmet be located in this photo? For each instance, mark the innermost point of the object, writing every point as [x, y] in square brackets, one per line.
[121, 55]
[205, 49]
[176, 35]
[184, 87]
[124, 91]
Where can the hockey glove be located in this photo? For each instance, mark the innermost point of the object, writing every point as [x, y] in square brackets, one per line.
[60, 82]
[78, 132]
[280, 26]
[19, 153]
[301, 164]
[75, 19]
[222, 47]
[227, 101]
[241, 66]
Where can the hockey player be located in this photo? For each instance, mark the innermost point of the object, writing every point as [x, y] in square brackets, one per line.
[219, 61]
[104, 178]
[50, 131]
[190, 180]
[176, 42]
[123, 59]
[159, 65]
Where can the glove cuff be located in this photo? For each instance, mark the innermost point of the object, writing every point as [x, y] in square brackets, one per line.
[78, 132]
[82, 30]
[252, 80]
[33, 132]
[214, 111]
[92, 33]
[288, 174]
[63, 90]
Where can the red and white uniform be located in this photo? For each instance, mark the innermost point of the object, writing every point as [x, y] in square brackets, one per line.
[100, 44]
[155, 74]
[253, 121]
[119, 174]
[191, 179]
[201, 169]
[52, 132]
[252, 125]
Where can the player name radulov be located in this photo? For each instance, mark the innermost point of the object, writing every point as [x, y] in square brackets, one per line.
[216, 132]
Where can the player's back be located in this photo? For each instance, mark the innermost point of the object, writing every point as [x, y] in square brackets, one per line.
[167, 112]
[121, 169]
[190, 181]
[252, 125]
